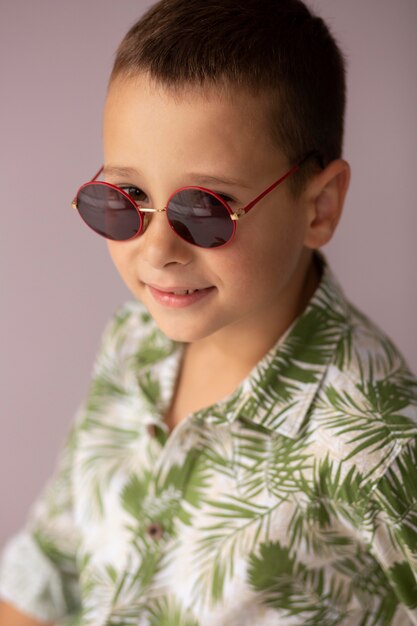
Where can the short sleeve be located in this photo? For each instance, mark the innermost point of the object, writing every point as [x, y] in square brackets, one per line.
[38, 572]
[38, 566]
[394, 543]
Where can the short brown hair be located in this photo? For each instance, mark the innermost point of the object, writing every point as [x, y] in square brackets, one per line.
[278, 47]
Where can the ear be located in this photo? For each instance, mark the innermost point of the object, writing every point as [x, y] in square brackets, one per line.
[325, 196]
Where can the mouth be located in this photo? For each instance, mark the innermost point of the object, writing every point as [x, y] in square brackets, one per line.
[179, 296]
[178, 292]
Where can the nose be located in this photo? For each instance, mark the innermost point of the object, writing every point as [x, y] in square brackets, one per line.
[160, 245]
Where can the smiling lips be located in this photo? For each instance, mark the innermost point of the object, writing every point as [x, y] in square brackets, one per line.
[177, 297]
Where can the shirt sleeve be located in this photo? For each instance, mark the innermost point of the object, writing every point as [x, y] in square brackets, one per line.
[394, 543]
[38, 565]
[38, 573]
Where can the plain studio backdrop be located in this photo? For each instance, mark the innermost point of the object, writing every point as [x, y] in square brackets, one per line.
[58, 285]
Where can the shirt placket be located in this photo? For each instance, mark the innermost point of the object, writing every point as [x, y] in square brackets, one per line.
[155, 531]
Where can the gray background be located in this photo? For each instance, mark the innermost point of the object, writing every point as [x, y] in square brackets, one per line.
[58, 285]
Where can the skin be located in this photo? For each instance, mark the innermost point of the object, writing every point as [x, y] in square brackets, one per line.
[10, 616]
[263, 279]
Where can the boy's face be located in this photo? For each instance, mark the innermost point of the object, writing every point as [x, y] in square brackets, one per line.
[252, 285]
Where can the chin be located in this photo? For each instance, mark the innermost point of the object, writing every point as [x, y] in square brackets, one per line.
[182, 332]
[181, 335]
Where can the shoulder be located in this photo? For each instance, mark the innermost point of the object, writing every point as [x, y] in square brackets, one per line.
[367, 358]
[368, 398]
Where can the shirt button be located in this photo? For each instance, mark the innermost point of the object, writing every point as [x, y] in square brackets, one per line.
[155, 531]
[151, 428]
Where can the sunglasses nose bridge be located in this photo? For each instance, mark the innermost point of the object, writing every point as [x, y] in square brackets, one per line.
[149, 210]
[147, 213]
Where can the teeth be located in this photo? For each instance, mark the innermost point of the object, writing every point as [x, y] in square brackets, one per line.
[184, 292]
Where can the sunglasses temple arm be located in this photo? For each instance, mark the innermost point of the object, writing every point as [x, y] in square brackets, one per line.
[98, 173]
[74, 202]
[294, 169]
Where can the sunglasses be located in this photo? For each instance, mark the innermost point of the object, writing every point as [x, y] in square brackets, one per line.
[199, 216]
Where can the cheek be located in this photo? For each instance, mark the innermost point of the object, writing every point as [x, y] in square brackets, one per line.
[120, 254]
[112, 247]
[266, 250]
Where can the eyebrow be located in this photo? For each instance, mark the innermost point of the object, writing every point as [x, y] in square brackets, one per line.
[195, 177]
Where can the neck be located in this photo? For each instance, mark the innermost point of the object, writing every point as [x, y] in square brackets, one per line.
[236, 352]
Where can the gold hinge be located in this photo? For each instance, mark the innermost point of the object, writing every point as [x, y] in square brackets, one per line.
[237, 214]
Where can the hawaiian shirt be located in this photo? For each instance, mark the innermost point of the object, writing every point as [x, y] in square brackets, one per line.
[291, 502]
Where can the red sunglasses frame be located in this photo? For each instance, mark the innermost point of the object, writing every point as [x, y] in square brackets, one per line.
[234, 215]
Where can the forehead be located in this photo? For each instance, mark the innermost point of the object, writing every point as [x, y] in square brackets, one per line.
[147, 120]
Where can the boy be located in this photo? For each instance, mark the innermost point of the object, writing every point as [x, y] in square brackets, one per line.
[247, 452]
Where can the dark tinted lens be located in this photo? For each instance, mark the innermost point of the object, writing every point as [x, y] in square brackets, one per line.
[200, 218]
[108, 212]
